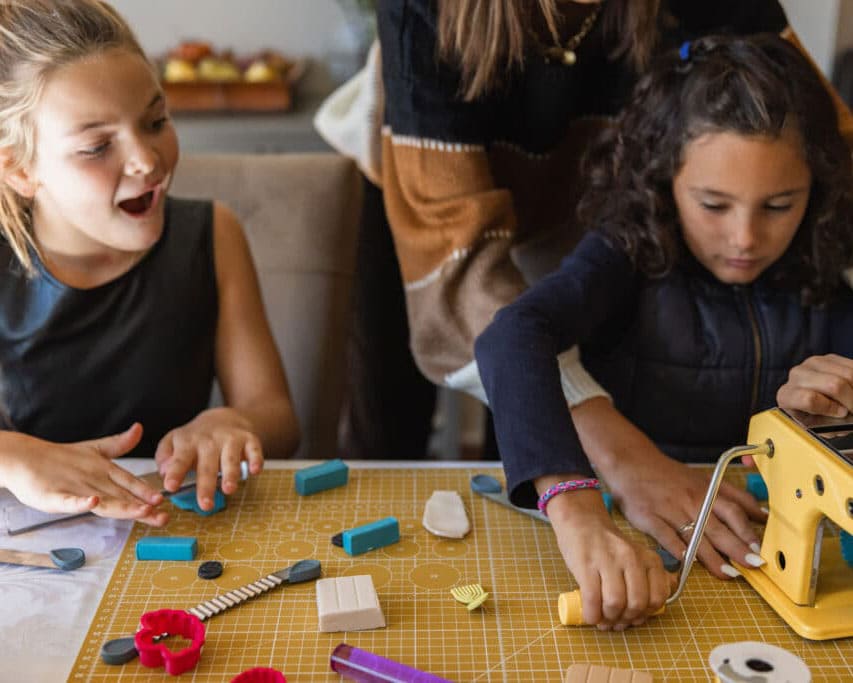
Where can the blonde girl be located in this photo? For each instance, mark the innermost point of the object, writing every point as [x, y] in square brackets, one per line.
[118, 303]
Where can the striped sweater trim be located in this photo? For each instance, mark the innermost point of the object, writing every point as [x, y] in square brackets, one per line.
[447, 146]
[455, 256]
[429, 143]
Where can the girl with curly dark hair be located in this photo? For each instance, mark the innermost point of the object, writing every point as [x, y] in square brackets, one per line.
[723, 205]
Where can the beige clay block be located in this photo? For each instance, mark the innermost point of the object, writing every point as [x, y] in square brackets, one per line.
[596, 673]
[444, 515]
[348, 603]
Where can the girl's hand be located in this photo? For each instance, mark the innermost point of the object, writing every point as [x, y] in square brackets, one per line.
[79, 477]
[621, 582]
[659, 495]
[217, 440]
[820, 385]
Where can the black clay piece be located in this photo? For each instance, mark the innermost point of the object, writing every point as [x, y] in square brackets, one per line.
[210, 569]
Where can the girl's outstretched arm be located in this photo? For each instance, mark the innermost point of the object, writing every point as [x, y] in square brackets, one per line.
[78, 477]
[258, 417]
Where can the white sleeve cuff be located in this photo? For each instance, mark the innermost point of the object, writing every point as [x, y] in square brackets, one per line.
[578, 384]
[467, 379]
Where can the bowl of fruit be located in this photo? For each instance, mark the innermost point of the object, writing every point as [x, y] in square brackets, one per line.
[196, 78]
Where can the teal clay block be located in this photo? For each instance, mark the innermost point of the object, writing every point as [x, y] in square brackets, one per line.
[188, 500]
[756, 486]
[166, 548]
[326, 475]
[371, 536]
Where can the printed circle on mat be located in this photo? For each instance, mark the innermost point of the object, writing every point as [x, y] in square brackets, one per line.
[217, 527]
[294, 550]
[174, 578]
[450, 548]
[237, 575]
[183, 527]
[327, 527]
[403, 548]
[409, 526]
[434, 576]
[257, 527]
[290, 526]
[239, 550]
[380, 575]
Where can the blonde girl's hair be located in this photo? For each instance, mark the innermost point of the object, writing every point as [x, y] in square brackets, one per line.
[38, 37]
[487, 38]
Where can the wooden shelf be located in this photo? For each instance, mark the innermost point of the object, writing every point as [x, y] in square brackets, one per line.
[228, 97]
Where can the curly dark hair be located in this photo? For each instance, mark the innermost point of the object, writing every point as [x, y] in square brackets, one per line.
[750, 86]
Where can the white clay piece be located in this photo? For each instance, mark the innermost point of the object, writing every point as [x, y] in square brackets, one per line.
[444, 515]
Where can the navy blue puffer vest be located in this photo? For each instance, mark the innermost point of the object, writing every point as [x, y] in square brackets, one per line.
[732, 347]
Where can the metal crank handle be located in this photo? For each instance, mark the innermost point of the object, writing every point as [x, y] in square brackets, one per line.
[569, 606]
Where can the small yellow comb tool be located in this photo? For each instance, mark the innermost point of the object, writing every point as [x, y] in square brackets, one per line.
[809, 477]
[472, 595]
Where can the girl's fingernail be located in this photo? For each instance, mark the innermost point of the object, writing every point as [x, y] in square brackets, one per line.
[754, 560]
[728, 570]
[765, 510]
[754, 547]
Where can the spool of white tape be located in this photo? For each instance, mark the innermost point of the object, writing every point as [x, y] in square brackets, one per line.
[752, 662]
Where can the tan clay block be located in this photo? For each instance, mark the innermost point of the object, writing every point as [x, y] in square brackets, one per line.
[596, 673]
[348, 603]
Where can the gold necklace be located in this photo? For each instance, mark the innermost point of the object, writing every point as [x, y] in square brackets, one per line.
[566, 54]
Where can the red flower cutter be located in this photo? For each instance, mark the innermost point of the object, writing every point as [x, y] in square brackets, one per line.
[260, 674]
[174, 622]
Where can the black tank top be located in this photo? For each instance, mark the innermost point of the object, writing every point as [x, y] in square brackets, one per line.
[84, 363]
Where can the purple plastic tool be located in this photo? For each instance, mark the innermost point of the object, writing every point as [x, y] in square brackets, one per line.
[365, 667]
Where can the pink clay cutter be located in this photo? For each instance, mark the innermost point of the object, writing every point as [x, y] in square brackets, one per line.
[176, 623]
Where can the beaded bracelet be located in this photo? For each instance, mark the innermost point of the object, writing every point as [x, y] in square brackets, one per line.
[562, 487]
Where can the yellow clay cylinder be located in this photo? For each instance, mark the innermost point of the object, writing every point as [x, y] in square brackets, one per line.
[570, 609]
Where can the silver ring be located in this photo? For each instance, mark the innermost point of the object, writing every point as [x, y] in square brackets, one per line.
[684, 528]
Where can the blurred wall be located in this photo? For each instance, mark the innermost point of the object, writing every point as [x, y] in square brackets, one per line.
[845, 26]
[817, 23]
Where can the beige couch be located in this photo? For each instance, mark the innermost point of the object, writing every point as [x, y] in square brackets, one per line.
[301, 215]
